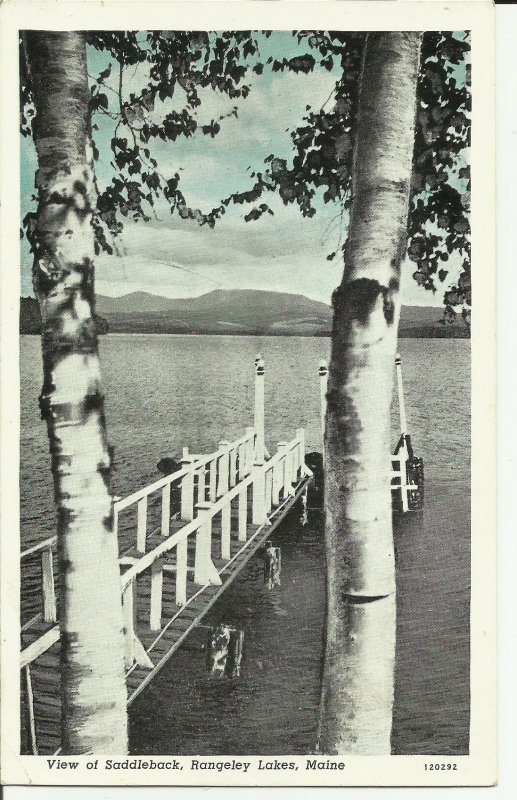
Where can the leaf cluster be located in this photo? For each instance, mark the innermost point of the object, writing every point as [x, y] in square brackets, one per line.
[321, 165]
[178, 65]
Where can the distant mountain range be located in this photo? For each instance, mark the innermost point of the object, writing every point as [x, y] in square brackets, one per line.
[237, 311]
[30, 317]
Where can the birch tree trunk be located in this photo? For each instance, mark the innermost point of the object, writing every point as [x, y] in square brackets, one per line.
[93, 686]
[357, 689]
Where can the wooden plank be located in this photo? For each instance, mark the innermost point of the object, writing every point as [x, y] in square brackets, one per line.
[141, 530]
[226, 532]
[181, 572]
[223, 469]
[29, 700]
[49, 611]
[201, 485]
[50, 542]
[241, 470]
[212, 481]
[233, 467]
[39, 646]
[128, 596]
[268, 489]
[155, 615]
[242, 516]
[166, 511]
[187, 491]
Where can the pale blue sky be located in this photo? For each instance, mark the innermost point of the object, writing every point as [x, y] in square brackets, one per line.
[284, 252]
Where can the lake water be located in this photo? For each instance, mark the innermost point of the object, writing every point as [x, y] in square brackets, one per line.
[164, 392]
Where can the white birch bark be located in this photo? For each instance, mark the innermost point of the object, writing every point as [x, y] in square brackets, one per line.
[93, 686]
[357, 689]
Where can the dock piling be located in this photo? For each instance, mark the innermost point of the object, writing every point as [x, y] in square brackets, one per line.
[187, 487]
[249, 451]
[323, 371]
[224, 651]
[400, 390]
[272, 565]
[259, 410]
[258, 514]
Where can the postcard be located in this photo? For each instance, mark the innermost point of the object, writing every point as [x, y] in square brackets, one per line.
[248, 393]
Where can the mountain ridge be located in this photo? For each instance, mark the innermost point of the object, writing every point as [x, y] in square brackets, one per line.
[245, 312]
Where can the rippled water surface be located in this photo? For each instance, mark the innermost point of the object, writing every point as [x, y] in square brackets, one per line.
[163, 392]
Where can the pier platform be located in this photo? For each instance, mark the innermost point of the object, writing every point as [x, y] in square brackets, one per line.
[182, 541]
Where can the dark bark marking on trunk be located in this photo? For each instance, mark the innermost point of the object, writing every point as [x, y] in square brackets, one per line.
[53, 273]
[355, 300]
[71, 412]
[340, 407]
[361, 599]
[82, 341]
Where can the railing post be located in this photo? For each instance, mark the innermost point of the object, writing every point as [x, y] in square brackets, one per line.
[128, 612]
[166, 510]
[259, 495]
[242, 460]
[243, 514]
[250, 450]
[155, 617]
[181, 572]
[226, 522]
[233, 467]
[29, 699]
[141, 530]
[187, 487]
[204, 569]
[49, 611]
[300, 435]
[259, 410]
[269, 490]
[201, 484]
[224, 464]
[323, 373]
[283, 468]
[288, 470]
[212, 480]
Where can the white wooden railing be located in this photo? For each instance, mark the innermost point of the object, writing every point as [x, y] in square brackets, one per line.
[271, 483]
[201, 477]
[231, 472]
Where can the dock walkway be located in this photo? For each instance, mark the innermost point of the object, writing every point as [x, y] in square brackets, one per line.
[195, 531]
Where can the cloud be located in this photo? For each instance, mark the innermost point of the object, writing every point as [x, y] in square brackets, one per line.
[285, 252]
[177, 258]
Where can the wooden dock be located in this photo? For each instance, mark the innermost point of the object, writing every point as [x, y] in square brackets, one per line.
[182, 541]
